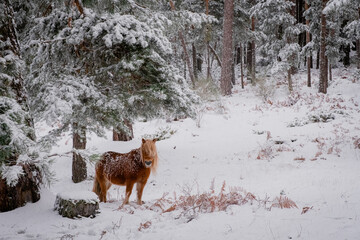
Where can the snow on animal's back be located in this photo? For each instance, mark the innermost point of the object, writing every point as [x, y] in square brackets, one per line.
[122, 164]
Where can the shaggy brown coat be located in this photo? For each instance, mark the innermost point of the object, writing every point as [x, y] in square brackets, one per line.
[126, 169]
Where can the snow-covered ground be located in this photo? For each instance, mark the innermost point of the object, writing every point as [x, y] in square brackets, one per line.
[268, 149]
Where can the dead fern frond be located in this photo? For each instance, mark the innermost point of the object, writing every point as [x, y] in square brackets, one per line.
[283, 202]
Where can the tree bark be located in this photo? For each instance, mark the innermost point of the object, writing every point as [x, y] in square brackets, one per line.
[253, 60]
[318, 59]
[194, 58]
[290, 85]
[241, 66]
[79, 171]
[26, 190]
[199, 62]
[308, 62]
[346, 58]
[358, 53]
[121, 135]
[358, 48]
[323, 61]
[207, 42]
[227, 53]
[249, 61]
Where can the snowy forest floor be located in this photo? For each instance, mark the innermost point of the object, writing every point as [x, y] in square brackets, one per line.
[299, 151]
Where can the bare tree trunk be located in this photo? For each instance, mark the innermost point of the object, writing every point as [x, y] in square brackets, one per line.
[323, 61]
[187, 58]
[249, 61]
[207, 41]
[227, 54]
[194, 58]
[346, 58]
[199, 62]
[308, 62]
[318, 59]
[358, 53]
[290, 85]
[233, 68]
[358, 48]
[216, 55]
[186, 55]
[79, 171]
[121, 135]
[238, 57]
[241, 66]
[253, 60]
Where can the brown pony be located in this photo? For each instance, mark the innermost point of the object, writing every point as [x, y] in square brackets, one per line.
[126, 169]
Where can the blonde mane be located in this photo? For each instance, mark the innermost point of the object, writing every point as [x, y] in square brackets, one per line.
[148, 149]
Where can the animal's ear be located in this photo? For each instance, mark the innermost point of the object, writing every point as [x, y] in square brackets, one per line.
[143, 140]
[155, 139]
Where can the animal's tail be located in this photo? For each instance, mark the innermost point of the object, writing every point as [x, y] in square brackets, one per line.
[96, 187]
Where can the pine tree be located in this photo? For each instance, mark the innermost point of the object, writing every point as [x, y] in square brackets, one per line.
[276, 24]
[20, 169]
[98, 70]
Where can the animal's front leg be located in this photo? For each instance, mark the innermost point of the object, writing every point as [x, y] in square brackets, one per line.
[140, 187]
[129, 187]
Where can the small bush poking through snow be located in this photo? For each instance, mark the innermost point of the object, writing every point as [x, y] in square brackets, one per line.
[265, 88]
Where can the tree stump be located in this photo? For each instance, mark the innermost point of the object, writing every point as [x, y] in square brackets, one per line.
[77, 204]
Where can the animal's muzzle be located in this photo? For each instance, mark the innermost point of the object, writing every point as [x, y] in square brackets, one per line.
[148, 164]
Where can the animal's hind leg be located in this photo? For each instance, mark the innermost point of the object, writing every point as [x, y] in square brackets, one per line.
[104, 186]
[140, 187]
[129, 187]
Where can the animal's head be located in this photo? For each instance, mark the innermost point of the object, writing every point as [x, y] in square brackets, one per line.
[149, 154]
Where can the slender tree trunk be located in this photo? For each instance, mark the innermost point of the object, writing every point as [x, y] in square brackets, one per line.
[249, 59]
[194, 58]
[308, 62]
[215, 55]
[323, 61]
[253, 60]
[290, 85]
[79, 171]
[120, 135]
[241, 66]
[187, 58]
[358, 47]
[318, 59]
[207, 41]
[346, 59]
[358, 53]
[227, 54]
[233, 68]
[186, 55]
[208, 69]
[199, 63]
[327, 73]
